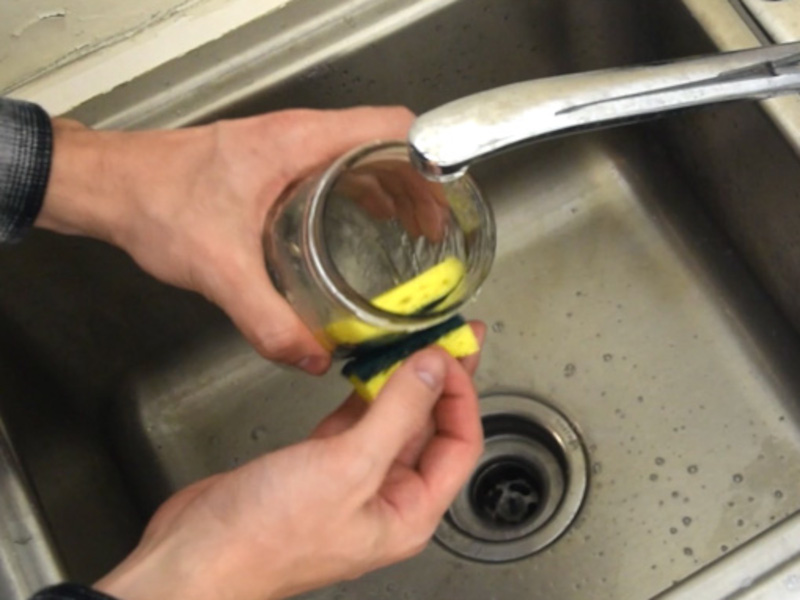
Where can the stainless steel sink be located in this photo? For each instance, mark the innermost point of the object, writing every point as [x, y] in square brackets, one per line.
[645, 288]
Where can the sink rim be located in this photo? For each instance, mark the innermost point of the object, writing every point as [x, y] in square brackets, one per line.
[165, 110]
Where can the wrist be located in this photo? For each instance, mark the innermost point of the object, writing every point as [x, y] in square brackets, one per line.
[159, 573]
[188, 567]
[77, 200]
[102, 182]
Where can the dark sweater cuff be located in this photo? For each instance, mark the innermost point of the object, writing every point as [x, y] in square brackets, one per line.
[26, 149]
[70, 591]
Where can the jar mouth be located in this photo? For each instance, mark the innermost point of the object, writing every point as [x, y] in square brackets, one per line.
[335, 284]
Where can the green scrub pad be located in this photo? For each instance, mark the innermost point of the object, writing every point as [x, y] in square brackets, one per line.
[368, 373]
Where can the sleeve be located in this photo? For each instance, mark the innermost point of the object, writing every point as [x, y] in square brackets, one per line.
[26, 148]
[70, 591]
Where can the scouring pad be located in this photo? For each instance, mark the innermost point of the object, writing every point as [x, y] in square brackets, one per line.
[427, 291]
[368, 373]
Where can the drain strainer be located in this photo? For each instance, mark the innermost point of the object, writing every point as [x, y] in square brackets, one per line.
[527, 488]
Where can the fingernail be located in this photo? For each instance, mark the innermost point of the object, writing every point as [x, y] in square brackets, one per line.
[313, 364]
[430, 369]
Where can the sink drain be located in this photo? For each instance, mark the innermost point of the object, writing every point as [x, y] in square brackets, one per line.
[507, 493]
[527, 488]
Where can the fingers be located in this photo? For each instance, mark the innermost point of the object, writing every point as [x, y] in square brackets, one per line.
[447, 461]
[314, 138]
[342, 419]
[472, 361]
[416, 199]
[423, 196]
[420, 494]
[410, 455]
[305, 140]
[354, 408]
[401, 409]
[264, 317]
[366, 191]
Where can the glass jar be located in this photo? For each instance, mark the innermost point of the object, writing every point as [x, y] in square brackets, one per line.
[368, 249]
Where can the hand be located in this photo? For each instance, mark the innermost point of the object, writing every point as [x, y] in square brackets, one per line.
[391, 189]
[366, 490]
[189, 205]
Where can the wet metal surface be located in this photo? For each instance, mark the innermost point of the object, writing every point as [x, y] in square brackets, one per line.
[628, 292]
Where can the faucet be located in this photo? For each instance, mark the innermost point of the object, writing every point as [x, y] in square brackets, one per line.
[445, 141]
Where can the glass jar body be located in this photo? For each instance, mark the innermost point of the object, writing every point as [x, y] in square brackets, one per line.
[367, 250]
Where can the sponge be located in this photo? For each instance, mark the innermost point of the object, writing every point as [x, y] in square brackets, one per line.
[417, 295]
[369, 373]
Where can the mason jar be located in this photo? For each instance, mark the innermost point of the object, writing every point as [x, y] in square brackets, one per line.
[368, 249]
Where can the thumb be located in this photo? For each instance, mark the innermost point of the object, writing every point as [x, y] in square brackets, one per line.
[403, 408]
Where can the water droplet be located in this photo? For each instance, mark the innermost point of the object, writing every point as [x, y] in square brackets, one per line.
[653, 477]
[792, 583]
[740, 522]
[660, 461]
[723, 548]
[673, 530]
[258, 433]
[498, 327]
[597, 468]
[686, 521]
[738, 478]
[607, 357]
[778, 494]
[688, 551]
[692, 469]
[569, 370]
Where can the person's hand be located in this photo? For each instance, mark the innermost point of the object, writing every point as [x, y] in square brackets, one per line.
[189, 205]
[367, 489]
[396, 190]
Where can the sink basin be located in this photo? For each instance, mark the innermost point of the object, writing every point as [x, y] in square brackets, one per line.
[644, 289]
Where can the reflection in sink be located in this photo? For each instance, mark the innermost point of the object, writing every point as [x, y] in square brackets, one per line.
[615, 297]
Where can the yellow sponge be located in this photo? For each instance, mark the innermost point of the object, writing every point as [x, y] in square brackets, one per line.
[415, 295]
[369, 374]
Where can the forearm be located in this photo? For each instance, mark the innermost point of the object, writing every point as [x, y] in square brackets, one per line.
[78, 198]
[53, 174]
[59, 175]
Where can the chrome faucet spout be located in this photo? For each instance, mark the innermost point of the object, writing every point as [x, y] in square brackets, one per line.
[447, 140]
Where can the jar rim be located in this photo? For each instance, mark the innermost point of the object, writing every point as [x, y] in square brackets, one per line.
[328, 276]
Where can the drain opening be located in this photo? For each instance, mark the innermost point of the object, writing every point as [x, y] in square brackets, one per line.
[527, 487]
[506, 493]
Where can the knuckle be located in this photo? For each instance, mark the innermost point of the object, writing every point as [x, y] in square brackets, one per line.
[356, 464]
[277, 343]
